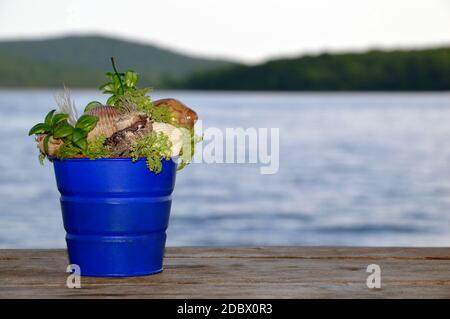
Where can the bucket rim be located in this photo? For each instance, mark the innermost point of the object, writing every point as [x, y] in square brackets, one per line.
[108, 159]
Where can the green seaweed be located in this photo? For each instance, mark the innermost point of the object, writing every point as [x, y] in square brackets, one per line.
[154, 147]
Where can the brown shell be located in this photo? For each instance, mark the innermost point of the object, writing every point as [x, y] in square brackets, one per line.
[53, 144]
[105, 125]
[182, 114]
[129, 119]
[130, 127]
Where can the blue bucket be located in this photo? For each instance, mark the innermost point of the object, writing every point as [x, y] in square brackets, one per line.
[115, 213]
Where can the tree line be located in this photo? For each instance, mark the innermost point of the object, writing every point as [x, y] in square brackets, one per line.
[406, 70]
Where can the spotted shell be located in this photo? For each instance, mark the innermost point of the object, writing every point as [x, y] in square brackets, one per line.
[182, 114]
[106, 119]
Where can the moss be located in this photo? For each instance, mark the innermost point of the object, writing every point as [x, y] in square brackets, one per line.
[154, 147]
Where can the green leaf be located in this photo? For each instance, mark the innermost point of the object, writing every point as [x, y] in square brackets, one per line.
[112, 100]
[41, 158]
[39, 128]
[79, 138]
[78, 134]
[131, 79]
[117, 84]
[86, 122]
[48, 118]
[107, 88]
[46, 139]
[92, 105]
[59, 118]
[82, 144]
[63, 131]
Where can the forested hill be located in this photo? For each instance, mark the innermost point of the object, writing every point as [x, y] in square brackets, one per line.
[375, 70]
[81, 61]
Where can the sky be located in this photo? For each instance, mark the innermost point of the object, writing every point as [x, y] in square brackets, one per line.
[245, 30]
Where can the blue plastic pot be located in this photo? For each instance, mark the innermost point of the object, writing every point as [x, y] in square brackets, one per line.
[115, 213]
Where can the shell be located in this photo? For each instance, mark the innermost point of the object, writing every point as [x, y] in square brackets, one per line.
[106, 119]
[129, 126]
[128, 119]
[182, 114]
[174, 133]
[53, 144]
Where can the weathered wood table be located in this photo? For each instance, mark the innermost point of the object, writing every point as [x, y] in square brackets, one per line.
[278, 272]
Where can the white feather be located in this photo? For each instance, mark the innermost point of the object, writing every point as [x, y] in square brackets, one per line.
[66, 105]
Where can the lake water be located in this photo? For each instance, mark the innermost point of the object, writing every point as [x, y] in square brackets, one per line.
[355, 169]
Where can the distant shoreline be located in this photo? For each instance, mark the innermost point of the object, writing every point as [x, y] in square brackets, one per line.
[324, 92]
[48, 63]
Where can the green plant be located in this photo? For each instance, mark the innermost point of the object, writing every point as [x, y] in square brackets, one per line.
[97, 148]
[137, 97]
[124, 92]
[41, 158]
[119, 84]
[55, 125]
[84, 125]
[69, 150]
[188, 148]
[154, 147]
[67, 136]
[141, 101]
[92, 105]
[160, 114]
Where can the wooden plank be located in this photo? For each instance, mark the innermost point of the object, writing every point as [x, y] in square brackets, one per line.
[219, 272]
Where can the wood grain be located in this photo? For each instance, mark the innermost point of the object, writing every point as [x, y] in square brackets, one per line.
[258, 272]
